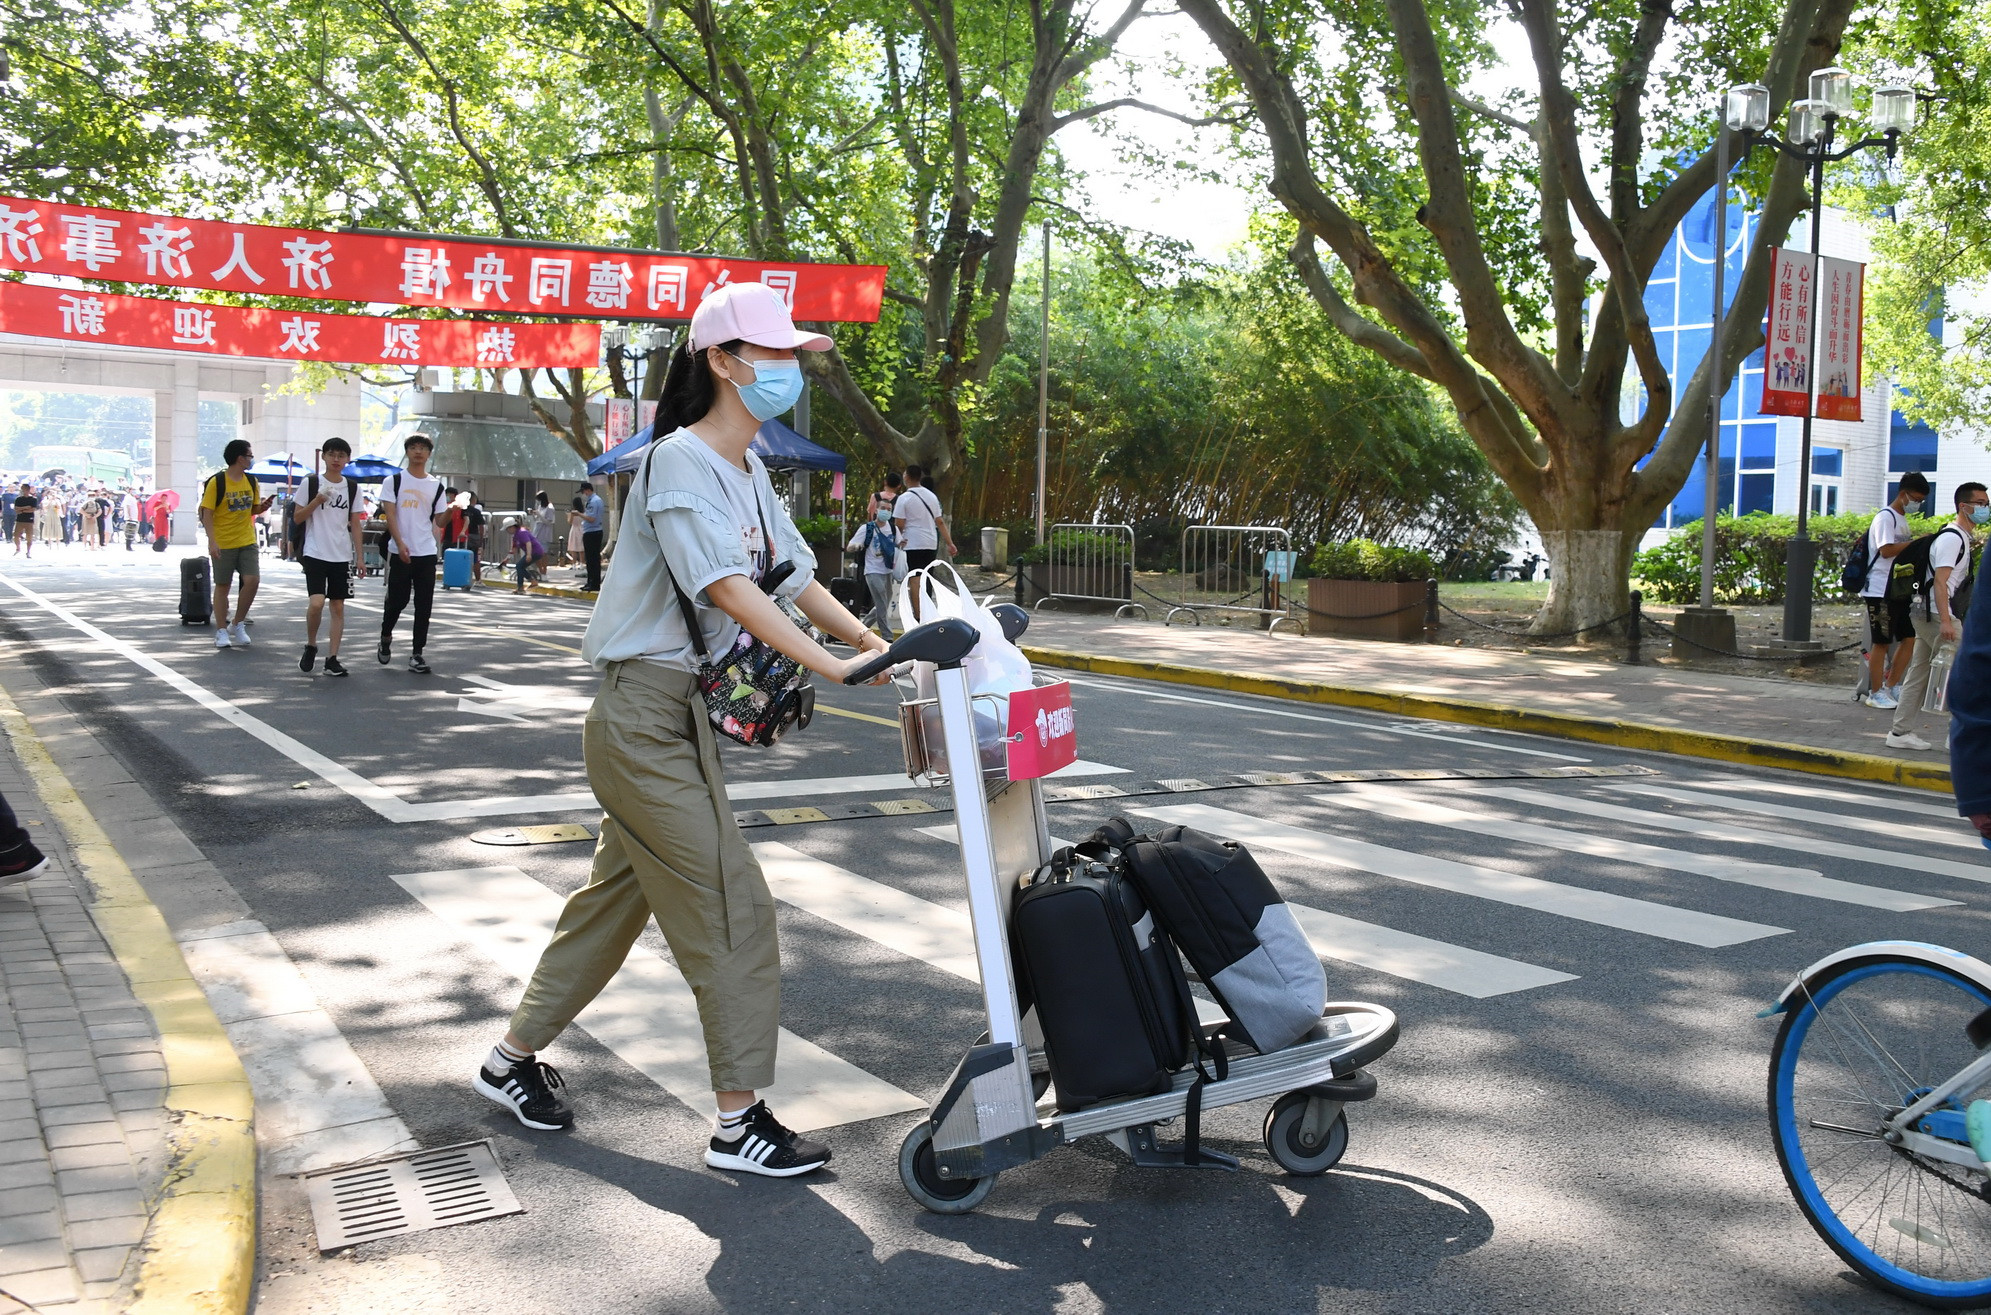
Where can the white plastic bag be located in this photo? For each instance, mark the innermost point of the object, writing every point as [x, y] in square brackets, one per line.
[995, 667]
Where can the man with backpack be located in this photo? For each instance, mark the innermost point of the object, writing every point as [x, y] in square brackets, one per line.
[1888, 593]
[228, 511]
[1946, 570]
[326, 532]
[412, 502]
[922, 528]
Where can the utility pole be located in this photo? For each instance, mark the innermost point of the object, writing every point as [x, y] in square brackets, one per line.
[1707, 627]
[1043, 385]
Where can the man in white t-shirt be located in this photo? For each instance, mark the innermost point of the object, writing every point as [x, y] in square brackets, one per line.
[330, 514]
[1955, 574]
[413, 504]
[1888, 594]
[922, 529]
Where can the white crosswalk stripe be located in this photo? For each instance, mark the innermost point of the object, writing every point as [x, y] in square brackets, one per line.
[1738, 835]
[1852, 820]
[647, 1014]
[1419, 958]
[919, 929]
[1600, 907]
[1795, 881]
[1876, 798]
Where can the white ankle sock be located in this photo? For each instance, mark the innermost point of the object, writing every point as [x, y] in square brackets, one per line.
[732, 1125]
[503, 1057]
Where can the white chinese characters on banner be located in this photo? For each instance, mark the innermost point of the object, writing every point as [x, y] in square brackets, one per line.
[165, 250]
[667, 286]
[90, 241]
[620, 421]
[238, 260]
[488, 278]
[1841, 284]
[424, 272]
[402, 342]
[82, 315]
[549, 280]
[306, 261]
[1787, 354]
[299, 335]
[496, 346]
[608, 285]
[18, 229]
[193, 326]
[646, 415]
[783, 283]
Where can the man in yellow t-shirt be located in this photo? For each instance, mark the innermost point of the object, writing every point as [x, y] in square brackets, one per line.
[228, 511]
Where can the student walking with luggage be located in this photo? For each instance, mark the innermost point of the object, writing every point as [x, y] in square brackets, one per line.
[330, 516]
[1950, 577]
[922, 529]
[706, 537]
[1890, 629]
[412, 501]
[228, 511]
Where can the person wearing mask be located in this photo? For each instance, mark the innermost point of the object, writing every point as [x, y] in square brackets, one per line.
[330, 554]
[228, 511]
[705, 524]
[922, 529]
[25, 506]
[412, 501]
[879, 542]
[1970, 722]
[895, 484]
[1890, 629]
[1954, 572]
[593, 509]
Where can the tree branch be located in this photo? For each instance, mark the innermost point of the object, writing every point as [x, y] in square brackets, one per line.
[1130, 103]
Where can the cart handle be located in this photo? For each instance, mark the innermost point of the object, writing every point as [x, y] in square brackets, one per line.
[944, 643]
[1013, 620]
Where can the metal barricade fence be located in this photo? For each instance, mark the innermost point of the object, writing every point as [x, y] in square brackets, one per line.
[1090, 564]
[1225, 569]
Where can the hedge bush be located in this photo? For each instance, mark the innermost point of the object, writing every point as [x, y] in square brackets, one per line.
[1749, 557]
[1076, 546]
[1365, 559]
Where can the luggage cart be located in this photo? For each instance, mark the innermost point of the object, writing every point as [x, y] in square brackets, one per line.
[990, 1117]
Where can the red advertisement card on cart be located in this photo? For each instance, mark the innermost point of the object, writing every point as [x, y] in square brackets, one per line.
[1043, 736]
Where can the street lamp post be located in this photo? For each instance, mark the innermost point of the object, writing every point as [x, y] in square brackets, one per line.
[1812, 125]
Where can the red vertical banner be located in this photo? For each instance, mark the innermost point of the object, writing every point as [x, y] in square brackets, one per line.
[621, 421]
[1841, 297]
[1787, 347]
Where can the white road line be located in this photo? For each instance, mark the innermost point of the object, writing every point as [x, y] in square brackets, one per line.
[1741, 871]
[647, 1014]
[1740, 835]
[1418, 958]
[316, 1104]
[1892, 828]
[1877, 798]
[1594, 906]
[1451, 739]
[934, 934]
[396, 809]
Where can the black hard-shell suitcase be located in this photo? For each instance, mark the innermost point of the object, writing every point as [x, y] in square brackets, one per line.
[851, 593]
[1109, 991]
[196, 591]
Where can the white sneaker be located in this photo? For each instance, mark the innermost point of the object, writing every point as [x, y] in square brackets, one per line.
[1906, 740]
[1883, 700]
[1894, 692]
[221, 637]
[239, 633]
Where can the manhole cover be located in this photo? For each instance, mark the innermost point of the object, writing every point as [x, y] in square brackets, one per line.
[409, 1193]
[553, 834]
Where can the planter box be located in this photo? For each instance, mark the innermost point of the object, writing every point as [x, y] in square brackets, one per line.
[829, 560]
[1364, 599]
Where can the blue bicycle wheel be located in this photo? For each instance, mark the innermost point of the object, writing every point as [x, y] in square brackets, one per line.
[1857, 1048]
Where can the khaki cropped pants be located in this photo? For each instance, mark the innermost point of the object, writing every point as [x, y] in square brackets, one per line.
[669, 849]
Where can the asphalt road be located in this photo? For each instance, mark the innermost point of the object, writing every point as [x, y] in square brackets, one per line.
[1572, 1121]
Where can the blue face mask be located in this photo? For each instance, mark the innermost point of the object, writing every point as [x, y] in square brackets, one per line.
[776, 386]
[1980, 514]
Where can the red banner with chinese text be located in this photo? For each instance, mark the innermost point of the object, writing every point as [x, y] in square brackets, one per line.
[1841, 293]
[185, 326]
[1787, 347]
[125, 246]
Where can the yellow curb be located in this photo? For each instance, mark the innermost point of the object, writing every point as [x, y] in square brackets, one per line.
[1596, 730]
[199, 1254]
[543, 590]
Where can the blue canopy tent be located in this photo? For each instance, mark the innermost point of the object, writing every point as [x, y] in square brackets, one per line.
[780, 447]
[368, 468]
[279, 468]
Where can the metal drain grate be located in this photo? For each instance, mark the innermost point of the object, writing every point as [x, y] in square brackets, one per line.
[408, 1194]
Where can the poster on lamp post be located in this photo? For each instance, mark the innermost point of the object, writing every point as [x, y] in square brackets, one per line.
[1841, 290]
[1787, 341]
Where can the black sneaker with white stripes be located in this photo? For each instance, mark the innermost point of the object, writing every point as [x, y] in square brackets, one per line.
[765, 1147]
[526, 1089]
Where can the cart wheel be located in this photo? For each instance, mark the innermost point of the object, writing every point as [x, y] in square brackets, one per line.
[1283, 1138]
[921, 1176]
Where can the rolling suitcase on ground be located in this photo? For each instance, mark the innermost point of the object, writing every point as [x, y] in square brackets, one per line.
[1110, 994]
[196, 591]
[459, 568]
[851, 593]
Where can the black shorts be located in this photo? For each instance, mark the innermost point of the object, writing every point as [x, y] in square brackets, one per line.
[332, 579]
[1888, 620]
[918, 559]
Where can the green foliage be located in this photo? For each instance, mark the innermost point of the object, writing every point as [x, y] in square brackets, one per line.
[1364, 559]
[1072, 545]
[1749, 557]
[820, 529]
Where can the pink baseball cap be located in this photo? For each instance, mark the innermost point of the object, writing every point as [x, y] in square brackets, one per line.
[750, 312]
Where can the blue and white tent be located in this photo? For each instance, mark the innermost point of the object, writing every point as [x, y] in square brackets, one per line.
[778, 446]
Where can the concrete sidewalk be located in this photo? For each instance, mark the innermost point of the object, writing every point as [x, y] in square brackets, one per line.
[1750, 707]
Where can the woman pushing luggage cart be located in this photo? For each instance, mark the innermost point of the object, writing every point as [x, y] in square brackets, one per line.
[988, 1118]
